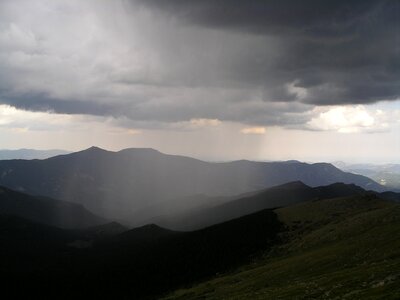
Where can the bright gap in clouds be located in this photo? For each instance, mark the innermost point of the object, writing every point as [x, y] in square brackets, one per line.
[352, 119]
[253, 130]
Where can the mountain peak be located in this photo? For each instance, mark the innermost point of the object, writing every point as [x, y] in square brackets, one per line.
[149, 150]
[94, 148]
[89, 152]
[293, 161]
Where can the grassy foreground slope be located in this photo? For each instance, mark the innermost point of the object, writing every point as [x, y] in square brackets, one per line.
[343, 248]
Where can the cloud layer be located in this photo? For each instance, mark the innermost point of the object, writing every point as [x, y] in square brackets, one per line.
[159, 64]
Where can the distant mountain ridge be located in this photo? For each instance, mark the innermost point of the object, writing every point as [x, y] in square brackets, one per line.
[118, 184]
[278, 196]
[30, 153]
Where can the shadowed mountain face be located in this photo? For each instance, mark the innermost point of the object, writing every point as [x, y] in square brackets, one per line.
[46, 210]
[118, 184]
[141, 262]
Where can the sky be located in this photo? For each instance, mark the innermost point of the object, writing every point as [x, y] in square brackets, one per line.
[217, 80]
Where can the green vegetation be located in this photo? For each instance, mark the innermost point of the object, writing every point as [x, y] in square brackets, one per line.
[344, 248]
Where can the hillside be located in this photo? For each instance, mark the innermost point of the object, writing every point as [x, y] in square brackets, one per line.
[116, 185]
[46, 210]
[342, 248]
[318, 248]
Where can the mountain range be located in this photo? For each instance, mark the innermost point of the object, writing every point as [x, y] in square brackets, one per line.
[29, 153]
[117, 185]
[193, 229]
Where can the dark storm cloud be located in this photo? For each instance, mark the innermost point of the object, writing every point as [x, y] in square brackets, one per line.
[158, 62]
[321, 18]
[343, 52]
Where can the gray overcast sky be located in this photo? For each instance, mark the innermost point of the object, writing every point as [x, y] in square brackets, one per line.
[312, 80]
